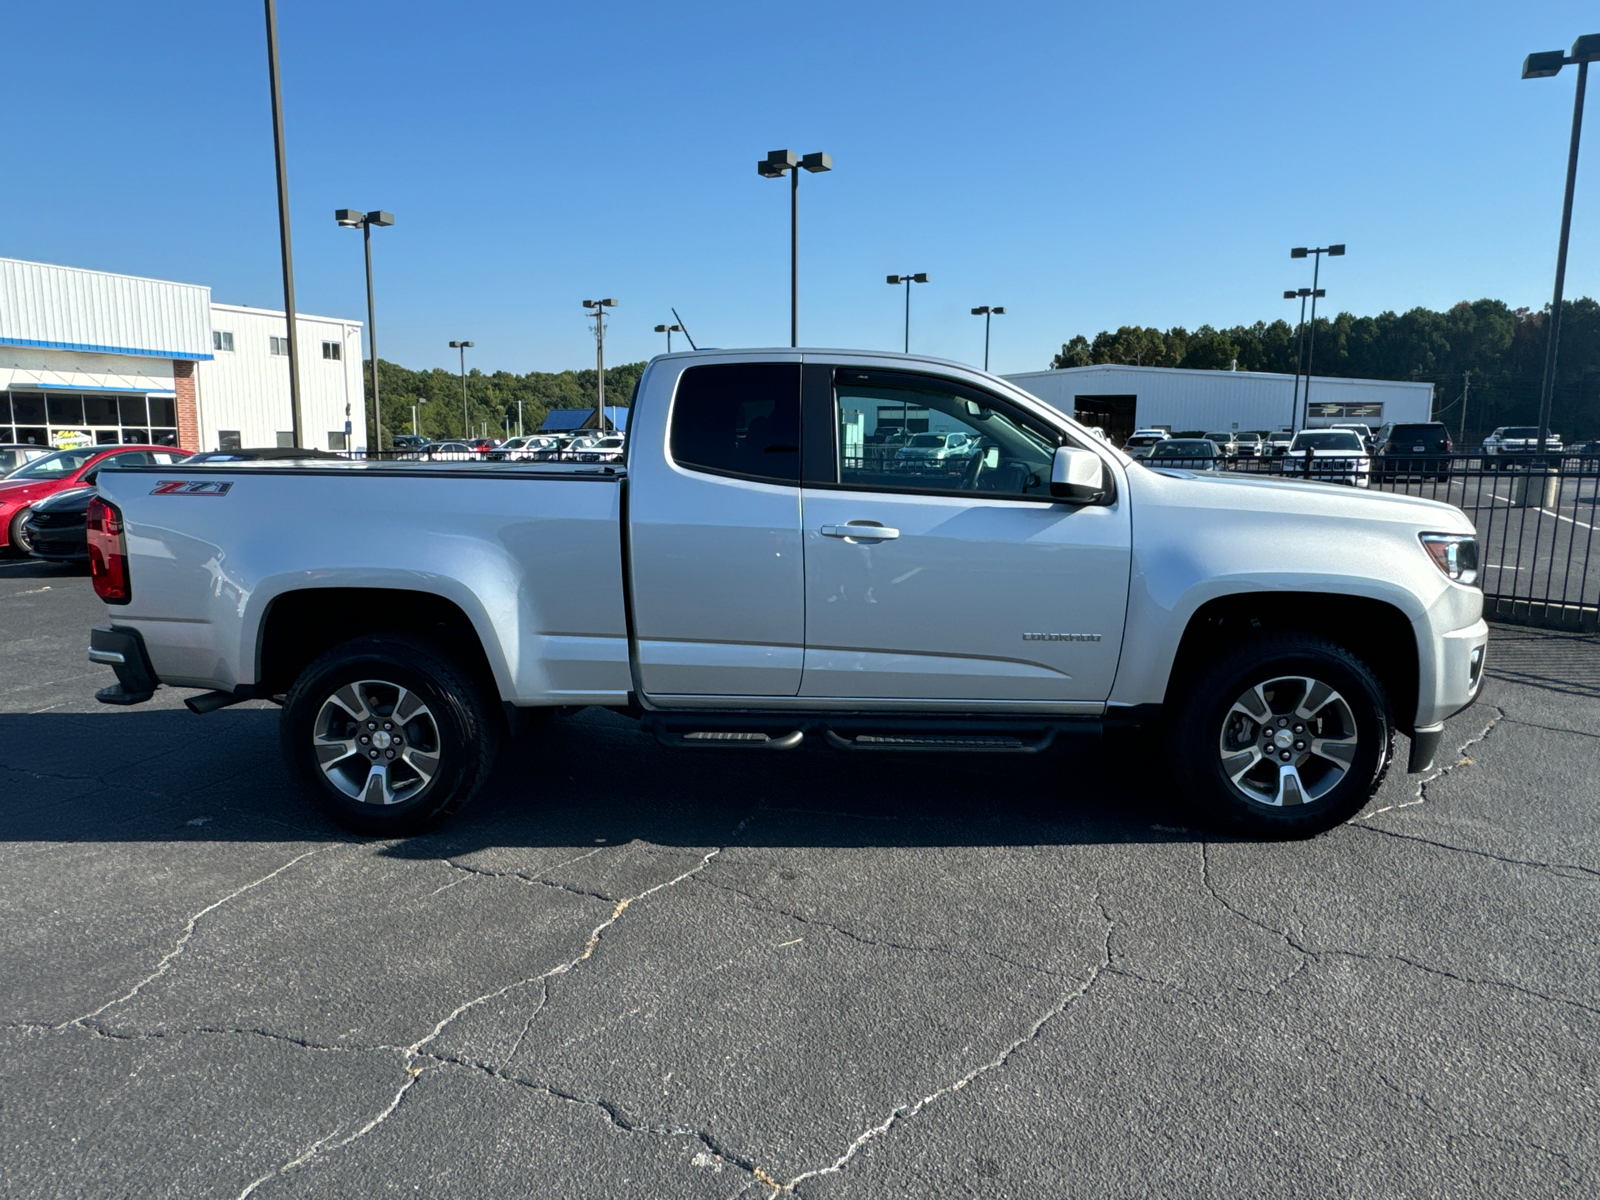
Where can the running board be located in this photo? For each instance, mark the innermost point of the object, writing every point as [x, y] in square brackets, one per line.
[728, 739]
[944, 742]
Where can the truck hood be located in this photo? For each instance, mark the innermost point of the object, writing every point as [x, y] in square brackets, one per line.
[1288, 497]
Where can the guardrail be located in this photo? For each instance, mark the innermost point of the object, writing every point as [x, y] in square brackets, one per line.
[1536, 517]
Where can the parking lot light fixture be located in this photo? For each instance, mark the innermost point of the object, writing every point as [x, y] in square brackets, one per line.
[776, 165]
[908, 280]
[416, 401]
[1542, 66]
[987, 312]
[354, 218]
[669, 330]
[1336, 250]
[466, 430]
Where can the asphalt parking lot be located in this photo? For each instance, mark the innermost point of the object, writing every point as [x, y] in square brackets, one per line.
[629, 972]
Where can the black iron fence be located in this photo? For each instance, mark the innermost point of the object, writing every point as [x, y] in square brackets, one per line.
[1535, 515]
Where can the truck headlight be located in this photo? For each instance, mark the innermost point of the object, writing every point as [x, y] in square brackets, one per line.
[1456, 554]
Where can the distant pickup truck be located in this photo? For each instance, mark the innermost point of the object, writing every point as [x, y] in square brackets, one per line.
[756, 576]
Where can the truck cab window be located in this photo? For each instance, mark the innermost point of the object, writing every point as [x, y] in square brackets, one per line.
[739, 419]
[902, 433]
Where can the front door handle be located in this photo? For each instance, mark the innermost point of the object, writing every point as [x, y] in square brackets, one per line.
[862, 531]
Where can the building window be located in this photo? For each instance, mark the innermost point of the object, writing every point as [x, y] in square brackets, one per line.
[336, 441]
[331, 350]
[221, 340]
[280, 346]
[285, 440]
[72, 419]
[228, 439]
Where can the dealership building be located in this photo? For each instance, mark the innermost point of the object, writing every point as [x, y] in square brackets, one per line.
[93, 358]
[1120, 399]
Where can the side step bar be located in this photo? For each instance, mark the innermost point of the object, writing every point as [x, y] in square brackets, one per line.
[863, 732]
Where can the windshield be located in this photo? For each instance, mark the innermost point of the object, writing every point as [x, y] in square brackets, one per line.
[56, 466]
[927, 439]
[1521, 431]
[1146, 439]
[1326, 440]
[1218, 437]
[1183, 448]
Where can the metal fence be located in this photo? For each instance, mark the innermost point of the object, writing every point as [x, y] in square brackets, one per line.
[1535, 515]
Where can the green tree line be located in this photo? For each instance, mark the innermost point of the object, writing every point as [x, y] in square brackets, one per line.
[491, 398]
[1502, 347]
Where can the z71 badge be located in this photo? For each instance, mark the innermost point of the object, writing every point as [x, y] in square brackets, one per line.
[190, 487]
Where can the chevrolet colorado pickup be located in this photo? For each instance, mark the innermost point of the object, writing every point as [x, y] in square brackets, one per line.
[764, 570]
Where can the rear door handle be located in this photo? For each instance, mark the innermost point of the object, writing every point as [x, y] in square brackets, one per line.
[876, 533]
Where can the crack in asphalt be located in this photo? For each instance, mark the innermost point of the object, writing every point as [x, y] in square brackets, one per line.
[416, 1050]
[1368, 956]
[183, 940]
[1462, 760]
[1461, 1127]
[905, 1112]
[762, 904]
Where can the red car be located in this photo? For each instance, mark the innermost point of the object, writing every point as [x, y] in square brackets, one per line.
[482, 446]
[61, 470]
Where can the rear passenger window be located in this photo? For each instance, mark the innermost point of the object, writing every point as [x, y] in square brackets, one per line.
[739, 419]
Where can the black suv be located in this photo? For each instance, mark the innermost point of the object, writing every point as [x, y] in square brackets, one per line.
[1418, 448]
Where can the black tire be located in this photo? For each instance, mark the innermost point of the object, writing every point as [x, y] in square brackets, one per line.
[19, 543]
[452, 730]
[1206, 722]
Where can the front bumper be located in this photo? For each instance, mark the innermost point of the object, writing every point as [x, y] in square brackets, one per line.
[1459, 658]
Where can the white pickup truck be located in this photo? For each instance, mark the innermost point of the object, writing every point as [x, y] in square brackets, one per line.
[764, 570]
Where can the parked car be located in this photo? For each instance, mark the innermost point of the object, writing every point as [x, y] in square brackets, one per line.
[1187, 454]
[1413, 448]
[54, 528]
[1141, 440]
[259, 453]
[16, 454]
[1277, 442]
[600, 449]
[482, 446]
[449, 451]
[943, 452]
[1503, 447]
[408, 441]
[1226, 443]
[538, 447]
[1362, 430]
[1248, 445]
[1272, 639]
[508, 448]
[1329, 456]
[58, 471]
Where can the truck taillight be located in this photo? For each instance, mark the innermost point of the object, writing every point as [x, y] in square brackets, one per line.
[108, 553]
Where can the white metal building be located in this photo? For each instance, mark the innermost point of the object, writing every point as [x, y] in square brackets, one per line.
[1121, 399]
[89, 357]
[243, 389]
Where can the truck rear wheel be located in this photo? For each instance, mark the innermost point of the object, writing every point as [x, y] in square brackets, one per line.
[1286, 736]
[387, 736]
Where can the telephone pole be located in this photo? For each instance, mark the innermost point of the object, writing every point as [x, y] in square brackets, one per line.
[599, 314]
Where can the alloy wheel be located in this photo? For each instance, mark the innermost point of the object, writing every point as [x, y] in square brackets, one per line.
[377, 742]
[1287, 741]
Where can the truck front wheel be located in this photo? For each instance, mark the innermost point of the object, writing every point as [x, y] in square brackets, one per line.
[386, 735]
[1286, 736]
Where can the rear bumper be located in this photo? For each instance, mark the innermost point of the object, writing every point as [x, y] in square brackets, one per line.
[122, 650]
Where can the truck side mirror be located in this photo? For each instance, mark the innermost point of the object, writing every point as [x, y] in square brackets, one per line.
[1076, 476]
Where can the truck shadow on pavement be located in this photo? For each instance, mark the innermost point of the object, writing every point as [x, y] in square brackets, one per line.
[590, 779]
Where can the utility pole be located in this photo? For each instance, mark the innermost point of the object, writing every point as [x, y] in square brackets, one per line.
[1466, 390]
[466, 429]
[599, 314]
[283, 219]
[519, 416]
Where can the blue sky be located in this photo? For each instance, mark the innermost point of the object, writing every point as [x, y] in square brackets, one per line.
[1086, 166]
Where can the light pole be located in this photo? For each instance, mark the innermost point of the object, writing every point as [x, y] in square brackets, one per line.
[986, 312]
[774, 166]
[415, 402]
[669, 330]
[1299, 348]
[283, 218]
[1542, 66]
[599, 315]
[1316, 253]
[466, 430]
[354, 218]
[908, 280]
[519, 416]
